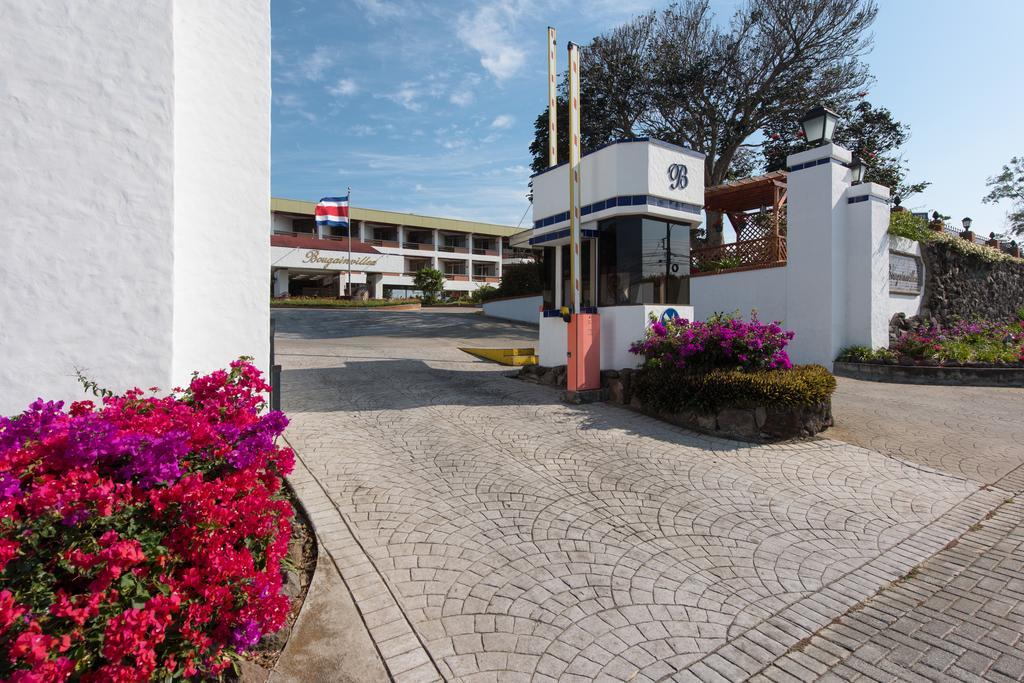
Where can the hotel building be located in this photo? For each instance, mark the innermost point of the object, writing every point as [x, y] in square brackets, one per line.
[388, 248]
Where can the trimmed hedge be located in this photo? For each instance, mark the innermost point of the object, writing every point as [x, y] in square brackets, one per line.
[670, 390]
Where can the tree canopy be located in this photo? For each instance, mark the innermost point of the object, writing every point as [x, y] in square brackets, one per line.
[1009, 184]
[724, 89]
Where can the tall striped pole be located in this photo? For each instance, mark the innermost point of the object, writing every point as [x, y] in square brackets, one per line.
[574, 173]
[552, 101]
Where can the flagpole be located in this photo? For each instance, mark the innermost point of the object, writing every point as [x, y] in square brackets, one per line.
[349, 292]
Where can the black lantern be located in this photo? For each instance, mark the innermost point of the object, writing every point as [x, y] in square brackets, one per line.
[966, 223]
[819, 125]
[858, 168]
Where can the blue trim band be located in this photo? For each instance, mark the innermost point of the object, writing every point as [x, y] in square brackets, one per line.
[816, 162]
[625, 200]
[559, 234]
[866, 197]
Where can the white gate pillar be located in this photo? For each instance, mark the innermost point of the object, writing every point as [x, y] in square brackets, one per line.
[816, 264]
[837, 273]
[867, 265]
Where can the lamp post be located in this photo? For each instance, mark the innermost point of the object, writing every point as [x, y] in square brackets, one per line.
[966, 222]
[819, 125]
[858, 168]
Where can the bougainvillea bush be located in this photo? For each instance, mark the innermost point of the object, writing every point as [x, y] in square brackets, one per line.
[724, 362]
[977, 342]
[142, 538]
[723, 341]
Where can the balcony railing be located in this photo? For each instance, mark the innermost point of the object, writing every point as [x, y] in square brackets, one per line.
[486, 278]
[453, 250]
[767, 252]
[312, 235]
[382, 243]
[418, 245]
[485, 252]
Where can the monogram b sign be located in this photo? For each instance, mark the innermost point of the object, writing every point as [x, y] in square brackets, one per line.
[677, 177]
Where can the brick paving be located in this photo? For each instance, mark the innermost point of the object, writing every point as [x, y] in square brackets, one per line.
[973, 432]
[488, 532]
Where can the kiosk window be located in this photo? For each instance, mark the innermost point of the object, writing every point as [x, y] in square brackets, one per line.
[643, 261]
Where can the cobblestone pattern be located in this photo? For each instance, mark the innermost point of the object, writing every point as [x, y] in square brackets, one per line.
[959, 617]
[529, 540]
[972, 432]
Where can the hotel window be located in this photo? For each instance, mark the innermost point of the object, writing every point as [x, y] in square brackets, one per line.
[643, 261]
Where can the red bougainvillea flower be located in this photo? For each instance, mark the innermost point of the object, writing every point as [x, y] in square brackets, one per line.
[153, 526]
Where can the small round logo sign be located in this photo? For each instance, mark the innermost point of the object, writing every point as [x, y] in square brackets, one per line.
[668, 314]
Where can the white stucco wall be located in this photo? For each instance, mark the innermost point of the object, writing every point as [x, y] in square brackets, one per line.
[553, 341]
[221, 184]
[744, 291]
[87, 144]
[119, 194]
[522, 308]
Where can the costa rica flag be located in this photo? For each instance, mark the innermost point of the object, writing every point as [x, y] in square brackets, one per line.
[332, 212]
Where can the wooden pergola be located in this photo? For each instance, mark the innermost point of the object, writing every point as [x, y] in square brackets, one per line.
[760, 244]
[735, 199]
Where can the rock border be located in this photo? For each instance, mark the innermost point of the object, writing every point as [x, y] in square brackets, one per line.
[758, 424]
[931, 374]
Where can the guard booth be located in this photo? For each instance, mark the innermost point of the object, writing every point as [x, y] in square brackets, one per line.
[641, 198]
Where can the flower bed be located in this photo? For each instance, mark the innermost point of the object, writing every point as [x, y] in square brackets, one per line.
[728, 376]
[142, 538]
[963, 344]
[724, 376]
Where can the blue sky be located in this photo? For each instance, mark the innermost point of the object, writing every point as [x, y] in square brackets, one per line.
[428, 107]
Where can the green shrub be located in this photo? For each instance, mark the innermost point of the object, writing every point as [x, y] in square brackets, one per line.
[520, 279]
[483, 293]
[906, 224]
[671, 390]
[864, 354]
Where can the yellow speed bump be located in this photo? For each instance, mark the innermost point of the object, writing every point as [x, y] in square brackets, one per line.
[522, 356]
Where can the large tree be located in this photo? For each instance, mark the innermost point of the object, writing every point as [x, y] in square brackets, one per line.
[1009, 184]
[681, 76]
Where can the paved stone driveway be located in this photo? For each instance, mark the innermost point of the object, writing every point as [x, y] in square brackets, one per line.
[488, 532]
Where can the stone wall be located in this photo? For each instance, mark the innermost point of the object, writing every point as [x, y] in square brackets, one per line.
[962, 286]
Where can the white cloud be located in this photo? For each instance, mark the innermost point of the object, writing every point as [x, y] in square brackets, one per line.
[361, 130]
[503, 121]
[312, 67]
[486, 31]
[376, 10]
[344, 87]
[406, 95]
[461, 98]
[294, 104]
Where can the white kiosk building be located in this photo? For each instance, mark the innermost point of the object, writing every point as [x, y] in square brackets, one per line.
[640, 200]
